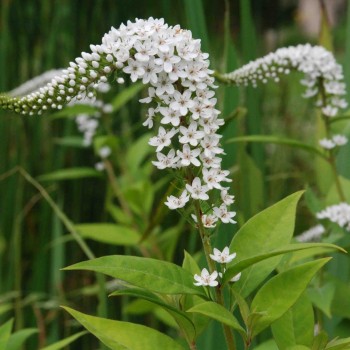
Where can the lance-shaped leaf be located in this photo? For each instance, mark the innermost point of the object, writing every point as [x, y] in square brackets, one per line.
[281, 292]
[267, 231]
[64, 342]
[109, 233]
[119, 335]
[218, 313]
[5, 332]
[296, 326]
[180, 317]
[278, 140]
[243, 264]
[17, 339]
[154, 275]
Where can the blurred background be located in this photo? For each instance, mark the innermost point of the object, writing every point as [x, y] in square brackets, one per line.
[40, 35]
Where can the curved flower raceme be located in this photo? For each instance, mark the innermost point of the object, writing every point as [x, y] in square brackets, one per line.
[321, 73]
[180, 98]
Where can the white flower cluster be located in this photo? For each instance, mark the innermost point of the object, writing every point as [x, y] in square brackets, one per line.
[338, 213]
[312, 234]
[180, 95]
[207, 279]
[336, 140]
[318, 65]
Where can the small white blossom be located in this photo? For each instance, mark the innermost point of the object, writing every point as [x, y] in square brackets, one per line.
[188, 156]
[196, 190]
[326, 143]
[104, 152]
[340, 140]
[177, 202]
[224, 215]
[206, 279]
[223, 257]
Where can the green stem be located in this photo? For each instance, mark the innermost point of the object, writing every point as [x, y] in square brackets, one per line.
[331, 158]
[230, 341]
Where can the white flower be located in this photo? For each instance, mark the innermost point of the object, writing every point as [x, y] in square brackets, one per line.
[206, 279]
[177, 202]
[330, 111]
[188, 156]
[226, 198]
[163, 139]
[224, 215]
[167, 60]
[223, 257]
[340, 140]
[182, 101]
[326, 143]
[135, 69]
[196, 190]
[104, 152]
[100, 166]
[164, 161]
[170, 116]
[191, 135]
[144, 50]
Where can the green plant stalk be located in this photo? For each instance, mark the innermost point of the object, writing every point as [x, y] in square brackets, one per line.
[218, 291]
[331, 158]
[102, 308]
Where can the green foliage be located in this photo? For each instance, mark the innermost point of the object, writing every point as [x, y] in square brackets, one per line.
[151, 274]
[281, 292]
[269, 230]
[119, 335]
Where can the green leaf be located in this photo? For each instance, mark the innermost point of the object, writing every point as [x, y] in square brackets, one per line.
[69, 174]
[180, 317]
[137, 152]
[119, 335]
[339, 344]
[244, 264]
[109, 233]
[64, 342]
[320, 341]
[298, 347]
[270, 230]
[280, 141]
[190, 264]
[70, 141]
[218, 313]
[280, 293]
[267, 345]
[322, 297]
[18, 338]
[5, 332]
[154, 275]
[126, 95]
[296, 326]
